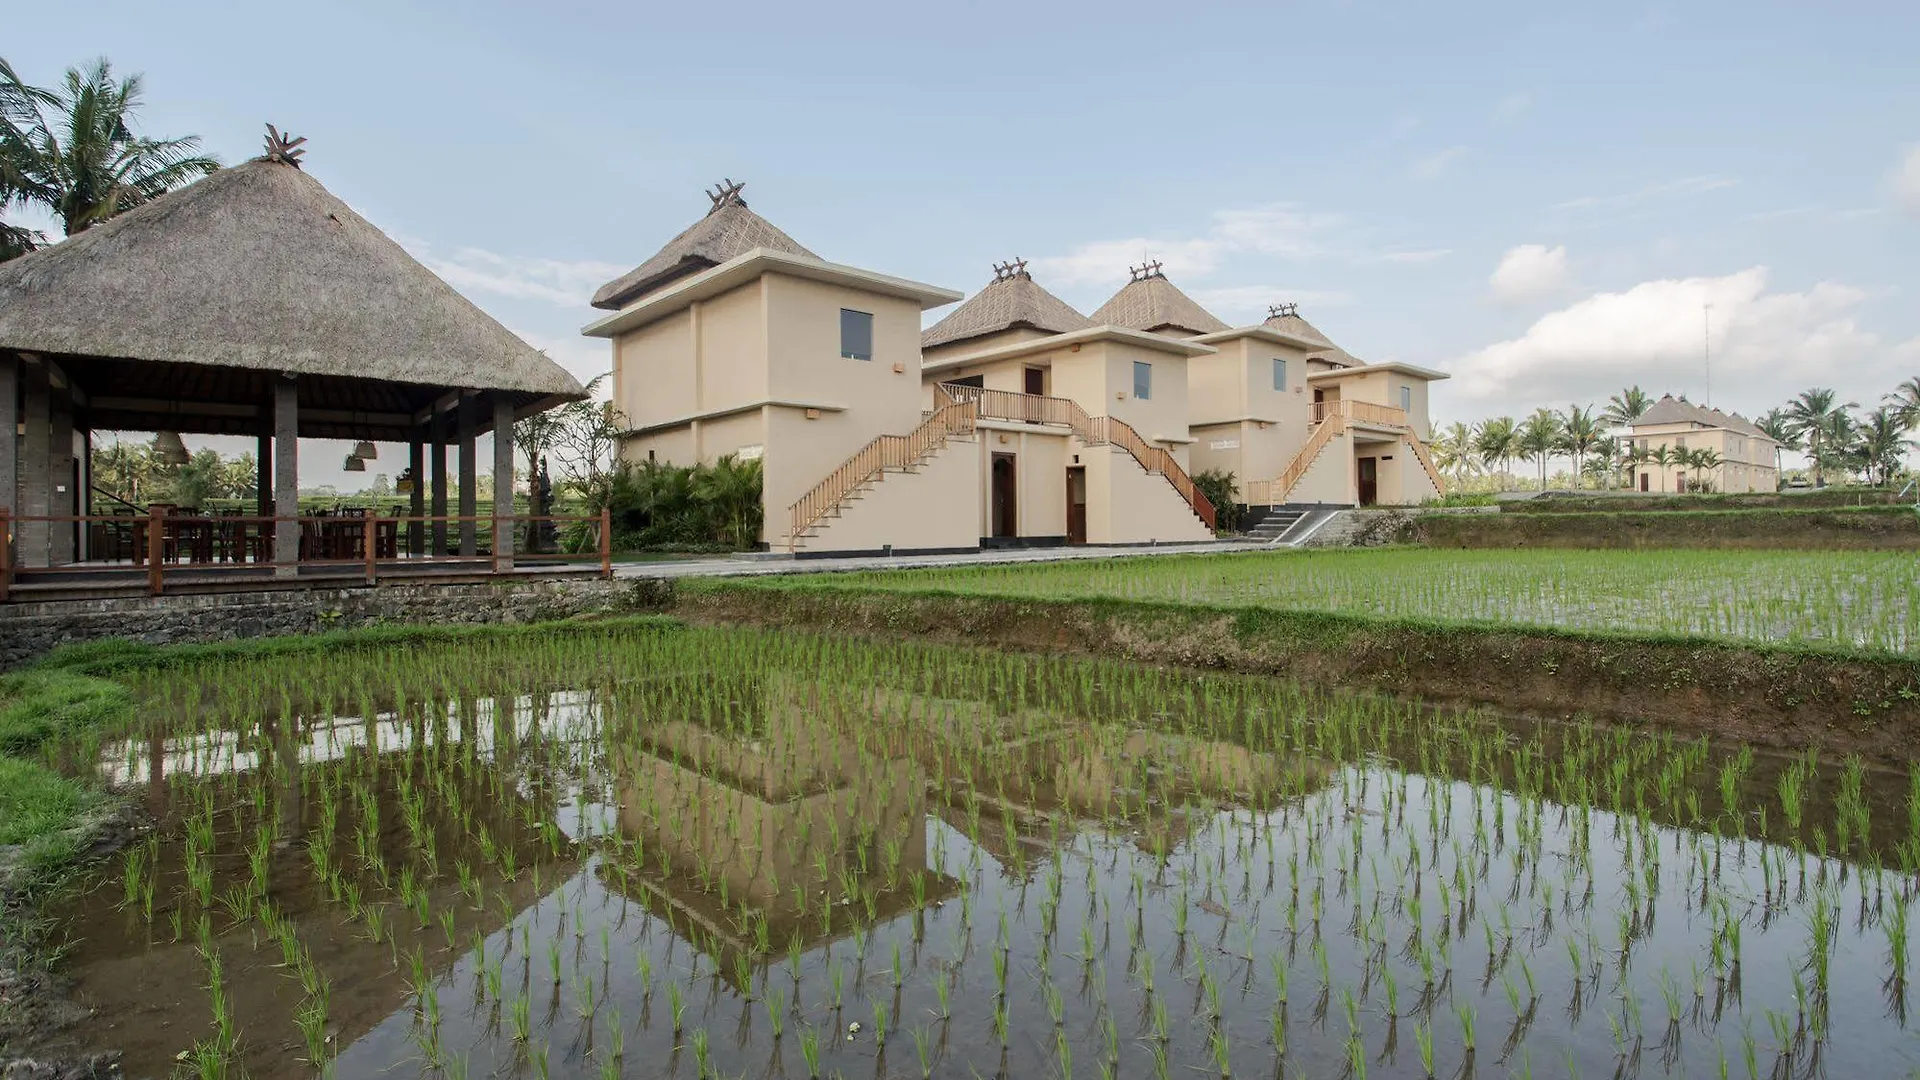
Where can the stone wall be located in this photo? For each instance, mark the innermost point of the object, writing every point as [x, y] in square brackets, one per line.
[30, 630]
[1380, 526]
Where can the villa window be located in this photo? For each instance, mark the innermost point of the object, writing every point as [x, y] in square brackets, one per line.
[856, 334]
[1406, 400]
[1279, 373]
[1142, 380]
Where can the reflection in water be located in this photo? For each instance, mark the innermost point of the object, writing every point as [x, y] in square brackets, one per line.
[706, 853]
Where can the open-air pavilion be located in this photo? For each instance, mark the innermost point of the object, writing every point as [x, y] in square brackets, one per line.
[253, 303]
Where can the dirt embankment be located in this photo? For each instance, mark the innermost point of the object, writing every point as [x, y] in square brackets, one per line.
[1864, 704]
[1864, 529]
[1824, 499]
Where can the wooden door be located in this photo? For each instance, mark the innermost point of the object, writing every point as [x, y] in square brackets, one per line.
[1076, 504]
[1006, 485]
[1369, 481]
[1036, 381]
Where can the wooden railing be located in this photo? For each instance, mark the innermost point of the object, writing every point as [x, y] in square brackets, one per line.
[1274, 492]
[884, 452]
[1426, 462]
[1154, 459]
[163, 543]
[1092, 430]
[1365, 412]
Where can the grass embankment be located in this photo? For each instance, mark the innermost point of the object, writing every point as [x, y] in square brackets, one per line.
[1839, 698]
[1869, 528]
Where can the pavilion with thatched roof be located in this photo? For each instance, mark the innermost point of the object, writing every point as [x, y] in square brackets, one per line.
[251, 302]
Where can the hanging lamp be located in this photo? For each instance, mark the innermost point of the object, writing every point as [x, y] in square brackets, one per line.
[366, 451]
[354, 464]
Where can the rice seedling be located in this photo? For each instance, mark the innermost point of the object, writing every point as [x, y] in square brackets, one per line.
[621, 834]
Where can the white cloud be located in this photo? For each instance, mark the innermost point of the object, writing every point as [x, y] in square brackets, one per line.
[1438, 164]
[1510, 107]
[1529, 272]
[1245, 304]
[1688, 185]
[1766, 346]
[1906, 182]
[1425, 256]
[1278, 229]
[567, 283]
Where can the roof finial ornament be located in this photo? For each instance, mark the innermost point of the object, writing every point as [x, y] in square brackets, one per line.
[1275, 311]
[726, 193]
[283, 148]
[1149, 269]
[1012, 268]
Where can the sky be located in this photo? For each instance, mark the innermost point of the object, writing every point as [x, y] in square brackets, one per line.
[1547, 201]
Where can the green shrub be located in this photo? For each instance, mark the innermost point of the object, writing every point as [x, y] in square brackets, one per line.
[654, 505]
[1217, 485]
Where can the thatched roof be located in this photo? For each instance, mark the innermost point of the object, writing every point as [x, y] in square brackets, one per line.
[1012, 300]
[1673, 410]
[1151, 302]
[1287, 321]
[729, 230]
[259, 268]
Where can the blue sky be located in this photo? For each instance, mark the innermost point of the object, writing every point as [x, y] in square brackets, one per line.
[1536, 198]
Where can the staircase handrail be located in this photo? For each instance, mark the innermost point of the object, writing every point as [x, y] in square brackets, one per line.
[883, 452]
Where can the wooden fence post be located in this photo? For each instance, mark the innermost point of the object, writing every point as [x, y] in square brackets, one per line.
[606, 542]
[6, 553]
[370, 540]
[156, 548]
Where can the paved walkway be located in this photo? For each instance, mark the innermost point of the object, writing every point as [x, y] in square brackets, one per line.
[748, 567]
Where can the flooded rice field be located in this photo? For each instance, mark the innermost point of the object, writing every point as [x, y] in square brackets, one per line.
[712, 853]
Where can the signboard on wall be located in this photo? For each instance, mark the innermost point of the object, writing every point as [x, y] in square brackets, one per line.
[751, 453]
[1224, 444]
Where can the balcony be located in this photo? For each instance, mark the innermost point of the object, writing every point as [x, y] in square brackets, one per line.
[1359, 412]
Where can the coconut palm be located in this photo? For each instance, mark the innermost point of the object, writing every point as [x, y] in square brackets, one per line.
[1496, 440]
[1881, 442]
[1453, 449]
[1700, 459]
[1622, 407]
[730, 490]
[1812, 414]
[1905, 403]
[73, 150]
[1538, 438]
[1579, 433]
[1778, 426]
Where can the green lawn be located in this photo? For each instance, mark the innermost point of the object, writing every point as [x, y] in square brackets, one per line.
[1864, 599]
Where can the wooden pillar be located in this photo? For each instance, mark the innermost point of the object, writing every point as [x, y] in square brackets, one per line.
[263, 471]
[502, 482]
[32, 542]
[469, 471]
[417, 498]
[84, 498]
[62, 477]
[437, 443]
[286, 477]
[9, 433]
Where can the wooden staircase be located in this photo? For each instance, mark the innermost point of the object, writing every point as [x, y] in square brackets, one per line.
[869, 465]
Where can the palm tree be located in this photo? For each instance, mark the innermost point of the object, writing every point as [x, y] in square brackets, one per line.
[1538, 438]
[1905, 403]
[1625, 405]
[1495, 440]
[1812, 414]
[1778, 426]
[73, 150]
[1882, 441]
[730, 490]
[1701, 459]
[1452, 449]
[1579, 433]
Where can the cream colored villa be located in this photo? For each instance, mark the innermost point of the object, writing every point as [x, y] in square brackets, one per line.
[1013, 420]
[1748, 457]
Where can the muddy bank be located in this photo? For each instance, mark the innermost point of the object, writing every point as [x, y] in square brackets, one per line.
[1786, 697]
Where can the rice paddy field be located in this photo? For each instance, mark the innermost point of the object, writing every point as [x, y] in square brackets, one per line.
[1860, 600]
[650, 851]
